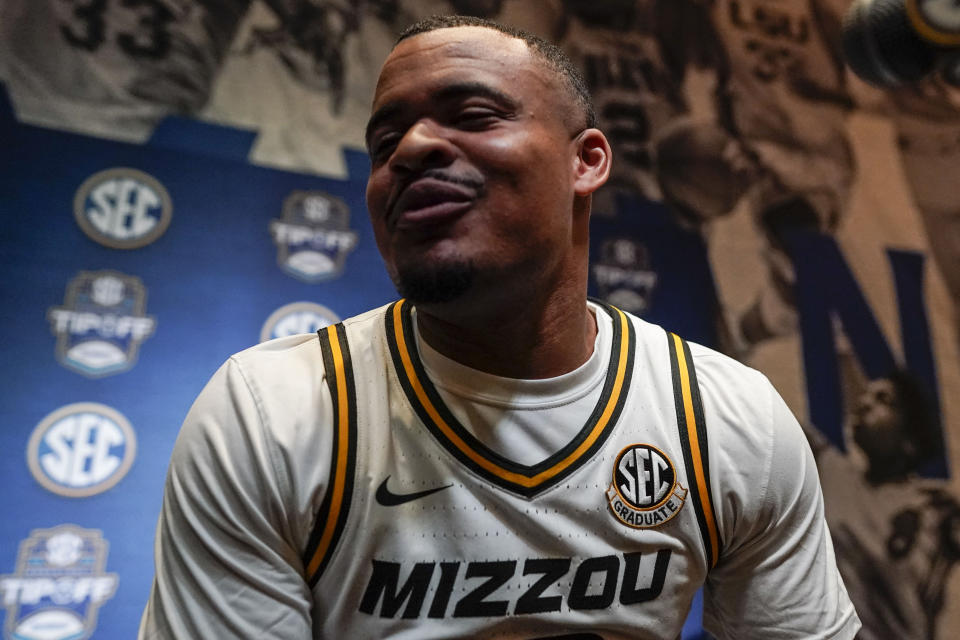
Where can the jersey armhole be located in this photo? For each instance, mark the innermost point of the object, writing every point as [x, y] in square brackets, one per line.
[331, 518]
[693, 439]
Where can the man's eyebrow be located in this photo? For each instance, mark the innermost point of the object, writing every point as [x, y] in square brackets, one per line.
[450, 92]
[467, 89]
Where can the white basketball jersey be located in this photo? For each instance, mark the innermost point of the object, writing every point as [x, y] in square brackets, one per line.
[427, 533]
[323, 487]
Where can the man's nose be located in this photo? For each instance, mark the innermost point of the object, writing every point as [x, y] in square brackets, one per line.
[423, 146]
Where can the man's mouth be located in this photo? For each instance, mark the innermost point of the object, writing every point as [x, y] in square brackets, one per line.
[429, 201]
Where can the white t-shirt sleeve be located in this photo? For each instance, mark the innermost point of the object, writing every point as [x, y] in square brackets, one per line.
[227, 563]
[777, 576]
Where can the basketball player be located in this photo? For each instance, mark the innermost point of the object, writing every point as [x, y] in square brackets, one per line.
[617, 46]
[926, 116]
[897, 535]
[781, 92]
[112, 68]
[493, 456]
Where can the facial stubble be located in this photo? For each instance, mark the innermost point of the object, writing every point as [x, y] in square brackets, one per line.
[431, 283]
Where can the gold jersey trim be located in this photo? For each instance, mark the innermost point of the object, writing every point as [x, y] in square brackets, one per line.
[332, 516]
[693, 440]
[525, 480]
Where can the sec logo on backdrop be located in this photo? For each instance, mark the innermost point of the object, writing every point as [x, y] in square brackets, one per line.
[297, 317]
[122, 208]
[81, 449]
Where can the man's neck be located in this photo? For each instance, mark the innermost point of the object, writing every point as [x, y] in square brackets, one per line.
[531, 340]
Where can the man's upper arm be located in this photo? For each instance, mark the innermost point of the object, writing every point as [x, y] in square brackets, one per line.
[226, 565]
[777, 577]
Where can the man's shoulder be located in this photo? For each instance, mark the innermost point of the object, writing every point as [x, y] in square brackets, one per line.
[731, 391]
[721, 366]
[281, 354]
[734, 386]
[370, 320]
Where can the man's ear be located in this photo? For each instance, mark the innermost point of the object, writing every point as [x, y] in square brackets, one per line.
[592, 163]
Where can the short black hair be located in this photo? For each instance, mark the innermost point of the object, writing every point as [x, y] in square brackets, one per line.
[552, 55]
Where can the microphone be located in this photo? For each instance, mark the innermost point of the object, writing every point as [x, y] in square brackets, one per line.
[890, 43]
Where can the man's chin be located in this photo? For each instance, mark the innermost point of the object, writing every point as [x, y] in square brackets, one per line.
[434, 284]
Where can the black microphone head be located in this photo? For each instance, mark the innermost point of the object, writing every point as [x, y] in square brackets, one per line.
[881, 47]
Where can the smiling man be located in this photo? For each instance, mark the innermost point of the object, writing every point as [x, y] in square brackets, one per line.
[493, 456]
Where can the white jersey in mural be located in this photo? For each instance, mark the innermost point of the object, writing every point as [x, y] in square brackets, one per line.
[112, 67]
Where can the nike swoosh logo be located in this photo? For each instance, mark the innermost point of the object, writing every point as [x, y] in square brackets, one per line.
[390, 499]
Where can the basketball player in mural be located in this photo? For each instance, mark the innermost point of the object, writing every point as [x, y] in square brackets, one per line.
[644, 61]
[927, 121]
[713, 101]
[780, 92]
[114, 68]
[896, 535]
[620, 50]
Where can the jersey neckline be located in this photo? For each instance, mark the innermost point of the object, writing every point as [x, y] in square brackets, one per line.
[475, 386]
[525, 480]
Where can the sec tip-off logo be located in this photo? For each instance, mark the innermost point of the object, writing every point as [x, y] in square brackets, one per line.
[313, 236]
[58, 586]
[81, 449]
[122, 208]
[645, 492]
[102, 323]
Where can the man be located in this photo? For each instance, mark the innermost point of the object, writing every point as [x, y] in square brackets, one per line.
[782, 95]
[113, 69]
[897, 534]
[926, 117]
[493, 456]
[620, 48]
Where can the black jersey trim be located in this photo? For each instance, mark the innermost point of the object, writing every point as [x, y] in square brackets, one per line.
[693, 438]
[525, 480]
[332, 515]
